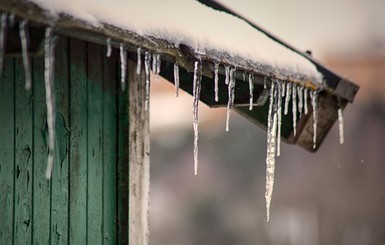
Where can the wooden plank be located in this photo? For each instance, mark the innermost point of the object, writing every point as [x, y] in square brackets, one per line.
[94, 139]
[41, 186]
[23, 159]
[110, 80]
[59, 194]
[78, 143]
[139, 155]
[7, 131]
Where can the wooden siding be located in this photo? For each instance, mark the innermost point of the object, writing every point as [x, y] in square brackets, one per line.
[86, 200]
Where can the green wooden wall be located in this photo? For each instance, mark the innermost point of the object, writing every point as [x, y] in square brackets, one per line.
[86, 200]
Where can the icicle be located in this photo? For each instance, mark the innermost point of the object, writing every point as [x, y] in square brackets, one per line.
[283, 89]
[123, 66]
[11, 20]
[280, 90]
[158, 63]
[244, 76]
[139, 61]
[196, 95]
[24, 47]
[271, 148]
[314, 100]
[109, 49]
[176, 79]
[287, 99]
[251, 88]
[147, 61]
[216, 81]
[50, 97]
[227, 72]
[154, 63]
[300, 100]
[230, 103]
[341, 125]
[2, 38]
[294, 109]
[264, 83]
[305, 95]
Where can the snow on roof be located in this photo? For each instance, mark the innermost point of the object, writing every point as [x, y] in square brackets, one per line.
[190, 23]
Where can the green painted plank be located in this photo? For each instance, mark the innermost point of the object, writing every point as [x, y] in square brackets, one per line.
[41, 186]
[110, 80]
[95, 139]
[23, 159]
[6, 151]
[59, 195]
[78, 143]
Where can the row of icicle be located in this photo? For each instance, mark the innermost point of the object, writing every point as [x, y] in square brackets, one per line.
[297, 94]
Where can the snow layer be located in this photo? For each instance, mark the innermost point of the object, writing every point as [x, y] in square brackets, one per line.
[186, 22]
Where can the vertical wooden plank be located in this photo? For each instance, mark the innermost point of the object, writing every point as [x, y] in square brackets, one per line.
[95, 139]
[7, 131]
[41, 186]
[139, 155]
[59, 196]
[23, 159]
[122, 165]
[110, 80]
[78, 143]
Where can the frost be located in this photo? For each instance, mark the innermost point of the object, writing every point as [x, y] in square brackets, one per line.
[231, 93]
[341, 125]
[271, 148]
[196, 96]
[123, 66]
[287, 98]
[50, 97]
[109, 49]
[24, 47]
[176, 79]
[139, 61]
[216, 81]
[2, 38]
[147, 61]
[314, 101]
[294, 108]
[251, 88]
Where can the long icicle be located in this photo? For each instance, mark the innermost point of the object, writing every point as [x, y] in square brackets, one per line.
[50, 98]
[216, 69]
[147, 61]
[176, 79]
[158, 64]
[139, 61]
[279, 116]
[300, 100]
[271, 148]
[230, 103]
[305, 96]
[341, 124]
[227, 75]
[3, 30]
[287, 98]
[294, 108]
[196, 95]
[123, 66]
[24, 47]
[314, 100]
[109, 49]
[251, 88]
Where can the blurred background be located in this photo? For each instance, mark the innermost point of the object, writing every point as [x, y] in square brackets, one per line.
[336, 196]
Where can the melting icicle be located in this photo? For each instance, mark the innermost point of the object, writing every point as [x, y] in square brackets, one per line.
[251, 88]
[109, 49]
[50, 97]
[139, 61]
[341, 125]
[216, 81]
[283, 89]
[271, 148]
[294, 109]
[305, 95]
[264, 83]
[24, 47]
[314, 100]
[227, 73]
[300, 99]
[176, 79]
[2, 38]
[287, 99]
[230, 103]
[196, 95]
[147, 61]
[123, 66]
[280, 90]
